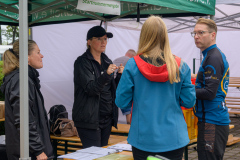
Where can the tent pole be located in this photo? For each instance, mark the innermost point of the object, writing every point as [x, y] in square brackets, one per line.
[105, 25]
[138, 13]
[23, 58]
[194, 60]
[212, 17]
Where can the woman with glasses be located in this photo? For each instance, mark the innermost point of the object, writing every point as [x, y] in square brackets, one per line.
[158, 83]
[94, 111]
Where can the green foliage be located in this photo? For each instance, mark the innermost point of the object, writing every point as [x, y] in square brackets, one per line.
[11, 33]
[1, 80]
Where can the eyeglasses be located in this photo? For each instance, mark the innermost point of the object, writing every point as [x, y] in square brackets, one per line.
[199, 33]
[101, 39]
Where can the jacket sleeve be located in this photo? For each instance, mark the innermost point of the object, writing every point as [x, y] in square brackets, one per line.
[213, 72]
[117, 79]
[84, 75]
[35, 142]
[187, 93]
[124, 93]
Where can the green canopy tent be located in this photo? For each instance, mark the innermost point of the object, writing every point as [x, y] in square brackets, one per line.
[26, 13]
[61, 11]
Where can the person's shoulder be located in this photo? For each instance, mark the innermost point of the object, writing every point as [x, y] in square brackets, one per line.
[106, 59]
[215, 52]
[131, 60]
[13, 76]
[214, 55]
[183, 67]
[81, 58]
[121, 58]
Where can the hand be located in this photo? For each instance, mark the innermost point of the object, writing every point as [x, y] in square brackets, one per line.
[111, 68]
[120, 68]
[42, 156]
[193, 75]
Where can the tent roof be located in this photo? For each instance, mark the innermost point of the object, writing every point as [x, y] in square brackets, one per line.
[227, 17]
[62, 11]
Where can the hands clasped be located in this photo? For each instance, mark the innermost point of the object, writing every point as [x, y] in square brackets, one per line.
[113, 67]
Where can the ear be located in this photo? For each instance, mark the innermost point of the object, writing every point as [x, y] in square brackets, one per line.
[28, 59]
[213, 35]
[89, 42]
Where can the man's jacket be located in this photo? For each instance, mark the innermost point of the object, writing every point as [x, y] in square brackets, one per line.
[211, 87]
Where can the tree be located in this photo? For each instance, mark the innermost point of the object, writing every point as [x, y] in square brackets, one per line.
[11, 33]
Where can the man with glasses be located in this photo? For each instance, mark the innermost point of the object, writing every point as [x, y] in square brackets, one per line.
[211, 89]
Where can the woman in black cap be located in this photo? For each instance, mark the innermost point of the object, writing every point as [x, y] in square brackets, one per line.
[94, 110]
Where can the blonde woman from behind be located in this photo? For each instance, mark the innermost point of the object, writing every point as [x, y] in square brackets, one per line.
[158, 83]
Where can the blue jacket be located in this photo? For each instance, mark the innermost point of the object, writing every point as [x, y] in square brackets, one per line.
[158, 123]
[211, 87]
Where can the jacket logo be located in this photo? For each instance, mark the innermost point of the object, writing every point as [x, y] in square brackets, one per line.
[226, 85]
[211, 77]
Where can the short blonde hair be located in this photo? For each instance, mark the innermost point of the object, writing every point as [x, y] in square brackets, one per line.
[154, 43]
[11, 57]
[210, 23]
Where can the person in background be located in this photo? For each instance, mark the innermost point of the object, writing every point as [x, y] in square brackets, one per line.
[158, 83]
[211, 89]
[40, 147]
[94, 110]
[123, 60]
[129, 54]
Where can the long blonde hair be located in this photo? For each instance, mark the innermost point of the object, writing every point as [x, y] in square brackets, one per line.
[154, 43]
[11, 57]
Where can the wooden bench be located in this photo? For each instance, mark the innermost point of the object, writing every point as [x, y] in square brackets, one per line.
[234, 82]
[233, 103]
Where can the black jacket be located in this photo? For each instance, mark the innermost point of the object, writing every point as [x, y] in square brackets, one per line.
[87, 90]
[39, 135]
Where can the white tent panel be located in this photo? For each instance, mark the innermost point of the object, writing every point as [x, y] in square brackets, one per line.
[62, 44]
[227, 1]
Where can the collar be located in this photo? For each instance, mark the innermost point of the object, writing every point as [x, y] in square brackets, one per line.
[208, 49]
[103, 56]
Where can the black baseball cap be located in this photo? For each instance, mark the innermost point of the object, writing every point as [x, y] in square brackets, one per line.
[98, 31]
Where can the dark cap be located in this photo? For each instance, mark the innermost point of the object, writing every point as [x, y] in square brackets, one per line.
[98, 31]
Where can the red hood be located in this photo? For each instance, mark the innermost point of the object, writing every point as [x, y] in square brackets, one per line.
[153, 73]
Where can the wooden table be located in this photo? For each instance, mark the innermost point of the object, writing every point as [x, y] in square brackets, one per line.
[123, 129]
[2, 119]
[66, 143]
[123, 152]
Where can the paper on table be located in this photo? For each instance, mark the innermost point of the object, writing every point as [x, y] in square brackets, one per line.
[75, 155]
[125, 147]
[89, 153]
[98, 150]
